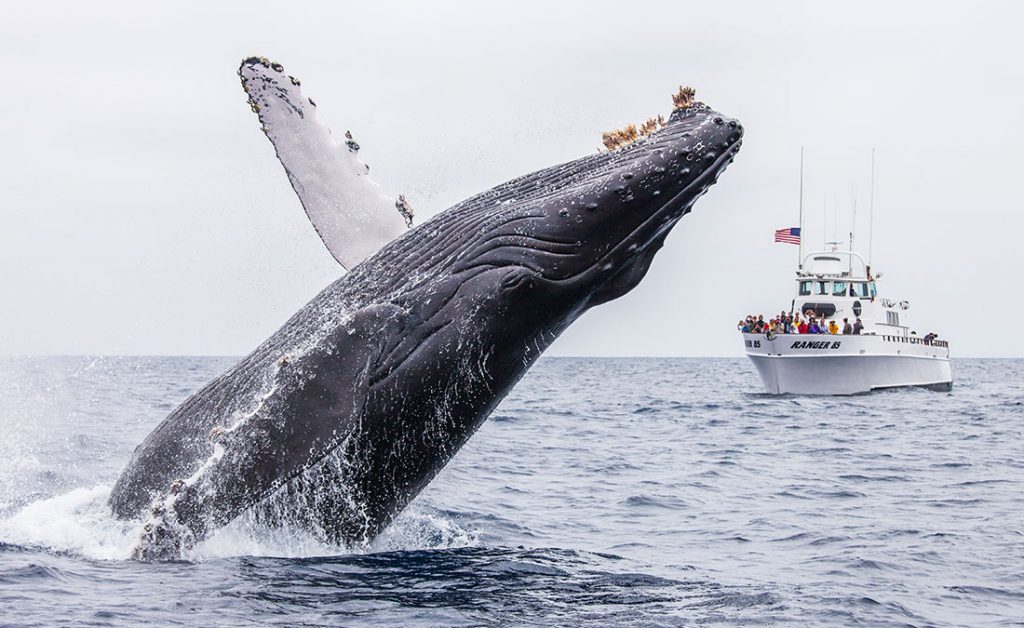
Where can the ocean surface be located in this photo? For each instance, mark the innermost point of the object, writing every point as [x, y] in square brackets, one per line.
[601, 492]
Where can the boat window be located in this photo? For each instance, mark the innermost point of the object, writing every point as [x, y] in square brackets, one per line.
[859, 289]
[822, 287]
[874, 291]
[893, 318]
[839, 289]
[805, 288]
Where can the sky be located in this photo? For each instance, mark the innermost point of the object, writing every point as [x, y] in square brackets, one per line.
[143, 212]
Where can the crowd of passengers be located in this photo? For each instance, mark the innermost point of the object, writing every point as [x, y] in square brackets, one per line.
[786, 323]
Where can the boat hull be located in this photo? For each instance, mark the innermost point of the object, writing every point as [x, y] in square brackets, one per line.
[846, 365]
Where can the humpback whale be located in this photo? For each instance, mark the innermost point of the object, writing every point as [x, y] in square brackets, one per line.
[349, 410]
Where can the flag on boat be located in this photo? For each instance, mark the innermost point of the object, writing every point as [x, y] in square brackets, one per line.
[790, 235]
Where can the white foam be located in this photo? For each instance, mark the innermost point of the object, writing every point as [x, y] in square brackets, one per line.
[416, 528]
[80, 522]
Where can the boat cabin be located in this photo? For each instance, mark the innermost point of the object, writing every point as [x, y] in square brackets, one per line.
[838, 285]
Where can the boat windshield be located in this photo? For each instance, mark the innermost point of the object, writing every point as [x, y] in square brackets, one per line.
[822, 287]
[839, 289]
[805, 288]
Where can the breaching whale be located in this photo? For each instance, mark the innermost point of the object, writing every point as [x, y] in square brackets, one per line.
[349, 410]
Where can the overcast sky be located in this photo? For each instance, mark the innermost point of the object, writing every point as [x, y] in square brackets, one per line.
[143, 212]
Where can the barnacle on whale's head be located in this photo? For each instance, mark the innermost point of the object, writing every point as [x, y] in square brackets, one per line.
[684, 98]
[630, 133]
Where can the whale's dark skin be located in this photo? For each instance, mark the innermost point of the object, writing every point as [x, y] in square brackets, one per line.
[358, 401]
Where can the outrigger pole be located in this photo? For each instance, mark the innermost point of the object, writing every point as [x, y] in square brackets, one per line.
[871, 208]
[853, 222]
[800, 251]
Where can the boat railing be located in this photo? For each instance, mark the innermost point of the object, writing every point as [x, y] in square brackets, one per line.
[914, 340]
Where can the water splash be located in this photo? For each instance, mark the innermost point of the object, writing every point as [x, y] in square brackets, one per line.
[80, 523]
[77, 522]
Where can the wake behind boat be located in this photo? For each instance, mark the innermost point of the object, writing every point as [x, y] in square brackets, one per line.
[840, 337]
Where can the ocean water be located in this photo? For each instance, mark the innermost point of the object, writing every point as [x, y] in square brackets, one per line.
[602, 491]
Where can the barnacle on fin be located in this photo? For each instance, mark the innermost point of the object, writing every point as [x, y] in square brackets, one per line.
[684, 97]
[277, 67]
[350, 142]
[405, 209]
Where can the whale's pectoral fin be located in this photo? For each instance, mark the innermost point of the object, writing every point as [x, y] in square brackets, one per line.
[352, 214]
[305, 420]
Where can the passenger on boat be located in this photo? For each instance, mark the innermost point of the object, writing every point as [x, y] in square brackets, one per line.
[804, 327]
[847, 327]
[833, 328]
[858, 327]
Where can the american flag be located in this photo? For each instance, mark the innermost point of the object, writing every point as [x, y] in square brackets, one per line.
[790, 235]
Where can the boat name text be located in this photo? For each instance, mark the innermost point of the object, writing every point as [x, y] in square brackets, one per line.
[812, 344]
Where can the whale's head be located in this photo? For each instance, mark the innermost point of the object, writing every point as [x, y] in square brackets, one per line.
[588, 229]
[527, 257]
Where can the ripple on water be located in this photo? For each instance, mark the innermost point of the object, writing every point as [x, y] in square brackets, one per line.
[606, 492]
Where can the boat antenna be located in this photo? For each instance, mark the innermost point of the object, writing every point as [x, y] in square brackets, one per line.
[835, 216]
[853, 221]
[800, 225]
[871, 207]
[824, 221]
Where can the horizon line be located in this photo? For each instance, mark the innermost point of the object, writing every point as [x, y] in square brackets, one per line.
[600, 357]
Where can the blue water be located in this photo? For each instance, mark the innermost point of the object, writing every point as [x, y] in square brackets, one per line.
[602, 491]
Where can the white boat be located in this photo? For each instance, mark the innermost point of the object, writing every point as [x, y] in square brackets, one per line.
[887, 353]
